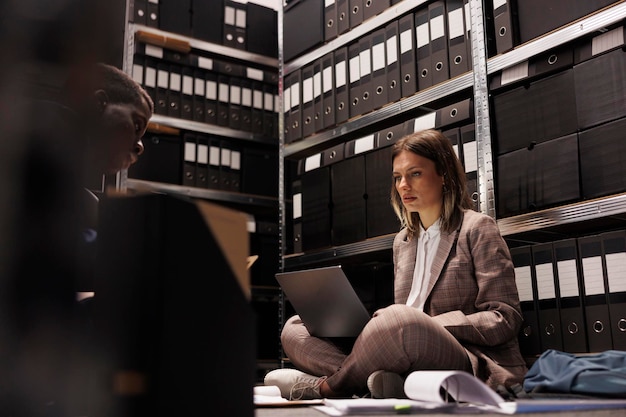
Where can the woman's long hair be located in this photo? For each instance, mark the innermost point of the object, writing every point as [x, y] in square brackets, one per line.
[433, 145]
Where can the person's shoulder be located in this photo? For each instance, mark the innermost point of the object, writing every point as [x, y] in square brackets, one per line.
[401, 236]
[473, 218]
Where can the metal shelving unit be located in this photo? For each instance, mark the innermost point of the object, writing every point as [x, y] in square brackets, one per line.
[478, 81]
[123, 182]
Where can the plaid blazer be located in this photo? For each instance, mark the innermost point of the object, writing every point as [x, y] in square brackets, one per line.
[472, 293]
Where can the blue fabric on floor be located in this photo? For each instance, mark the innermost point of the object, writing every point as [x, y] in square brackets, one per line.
[601, 374]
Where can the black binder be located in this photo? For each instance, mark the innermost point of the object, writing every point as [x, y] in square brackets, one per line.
[296, 212]
[597, 316]
[316, 205]
[246, 105]
[547, 306]
[343, 16]
[356, 13]
[354, 86]
[189, 159]
[235, 23]
[330, 16]
[175, 16]
[348, 203]
[215, 163]
[535, 19]
[262, 30]
[602, 171]
[365, 58]
[538, 176]
[295, 112]
[381, 218]
[207, 20]
[139, 12]
[270, 110]
[162, 87]
[318, 100]
[378, 82]
[234, 103]
[186, 98]
[303, 27]
[553, 103]
[573, 329]
[440, 69]
[406, 31]
[223, 100]
[342, 98]
[210, 103]
[614, 250]
[529, 341]
[255, 161]
[373, 7]
[202, 161]
[458, 60]
[392, 51]
[328, 90]
[308, 111]
[174, 92]
[389, 136]
[600, 89]
[505, 24]
[162, 160]
[258, 106]
[422, 47]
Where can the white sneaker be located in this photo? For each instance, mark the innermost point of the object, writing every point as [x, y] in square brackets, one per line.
[294, 384]
[385, 384]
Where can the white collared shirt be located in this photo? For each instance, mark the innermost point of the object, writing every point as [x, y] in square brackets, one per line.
[427, 244]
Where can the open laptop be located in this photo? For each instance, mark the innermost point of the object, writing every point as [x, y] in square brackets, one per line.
[325, 301]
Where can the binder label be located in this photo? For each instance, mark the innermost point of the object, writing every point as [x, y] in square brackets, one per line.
[364, 144]
[254, 74]
[616, 271]
[307, 90]
[198, 87]
[422, 34]
[328, 3]
[295, 95]
[545, 281]
[313, 162]
[297, 205]
[392, 50]
[355, 71]
[365, 62]
[406, 42]
[340, 74]
[150, 77]
[428, 121]
[378, 54]
[470, 153]
[223, 92]
[203, 154]
[592, 270]
[437, 27]
[523, 279]
[190, 152]
[205, 63]
[138, 74]
[268, 102]
[455, 23]
[235, 94]
[609, 40]
[568, 278]
[514, 73]
[174, 82]
[154, 51]
[187, 85]
[498, 3]
[214, 156]
[162, 79]
[327, 79]
[257, 100]
[317, 84]
[235, 160]
[246, 97]
[211, 90]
